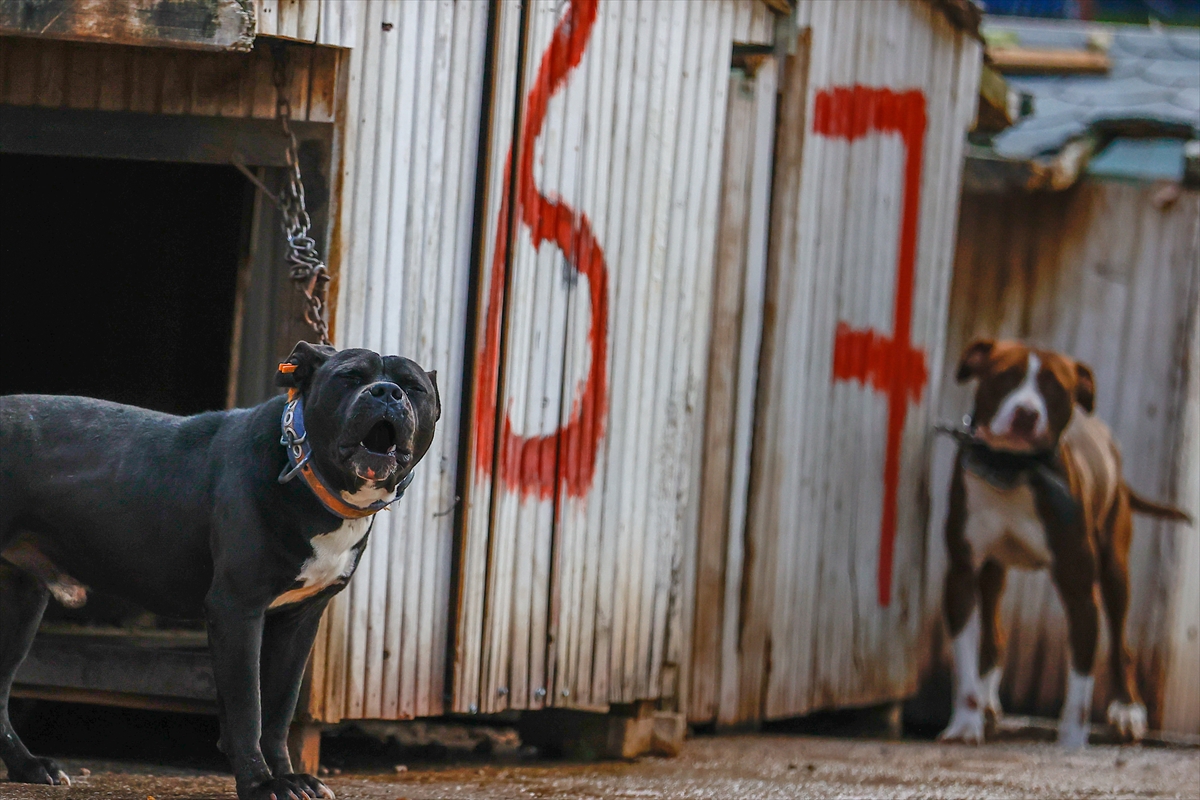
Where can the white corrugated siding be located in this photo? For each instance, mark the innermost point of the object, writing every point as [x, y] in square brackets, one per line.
[827, 638]
[568, 588]
[1104, 274]
[332, 22]
[404, 245]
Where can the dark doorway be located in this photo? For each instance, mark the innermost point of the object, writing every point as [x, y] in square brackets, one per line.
[119, 282]
[119, 278]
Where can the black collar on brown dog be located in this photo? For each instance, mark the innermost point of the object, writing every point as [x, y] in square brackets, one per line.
[1042, 469]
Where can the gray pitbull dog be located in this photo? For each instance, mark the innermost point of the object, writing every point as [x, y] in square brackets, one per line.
[214, 517]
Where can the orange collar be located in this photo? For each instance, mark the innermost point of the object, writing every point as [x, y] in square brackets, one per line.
[299, 454]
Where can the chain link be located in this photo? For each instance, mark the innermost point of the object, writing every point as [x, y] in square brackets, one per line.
[305, 266]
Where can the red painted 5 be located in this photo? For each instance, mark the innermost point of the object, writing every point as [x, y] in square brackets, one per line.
[535, 465]
[891, 364]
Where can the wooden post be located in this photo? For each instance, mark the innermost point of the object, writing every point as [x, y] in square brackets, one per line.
[304, 746]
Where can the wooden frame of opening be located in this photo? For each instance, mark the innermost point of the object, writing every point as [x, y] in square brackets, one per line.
[200, 108]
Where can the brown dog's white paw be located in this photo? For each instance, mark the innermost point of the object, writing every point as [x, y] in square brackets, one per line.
[966, 726]
[1128, 720]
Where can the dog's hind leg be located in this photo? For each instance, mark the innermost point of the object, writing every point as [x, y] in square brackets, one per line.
[23, 599]
[1126, 713]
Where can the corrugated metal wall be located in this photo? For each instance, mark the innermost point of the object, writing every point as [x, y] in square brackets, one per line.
[1112, 277]
[855, 314]
[403, 247]
[332, 22]
[105, 77]
[592, 348]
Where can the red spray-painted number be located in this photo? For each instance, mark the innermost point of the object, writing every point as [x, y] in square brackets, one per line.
[890, 364]
[535, 465]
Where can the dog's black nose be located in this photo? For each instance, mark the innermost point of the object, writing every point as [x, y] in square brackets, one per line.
[1024, 420]
[385, 390]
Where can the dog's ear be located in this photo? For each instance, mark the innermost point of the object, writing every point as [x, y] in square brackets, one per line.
[1085, 387]
[973, 359]
[437, 397]
[305, 360]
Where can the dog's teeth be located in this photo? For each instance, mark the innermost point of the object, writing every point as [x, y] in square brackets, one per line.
[392, 449]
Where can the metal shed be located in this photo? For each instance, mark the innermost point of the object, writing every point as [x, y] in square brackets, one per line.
[139, 95]
[810, 562]
[491, 226]
[1107, 269]
[521, 195]
[601, 209]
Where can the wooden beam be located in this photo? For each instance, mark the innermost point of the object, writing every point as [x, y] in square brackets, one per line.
[304, 746]
[964, 14]
[783, 7]
[194, 24]
[151, 137]
[1027, 60]
[998, 104]
[627, 731]
[98, 697]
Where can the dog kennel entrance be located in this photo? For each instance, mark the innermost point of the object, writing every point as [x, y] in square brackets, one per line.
[142, 267]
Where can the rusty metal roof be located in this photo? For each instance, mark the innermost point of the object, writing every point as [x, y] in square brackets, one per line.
[1153, 84]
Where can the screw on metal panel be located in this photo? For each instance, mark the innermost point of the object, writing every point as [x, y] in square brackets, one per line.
[539, 692]
[503, 690]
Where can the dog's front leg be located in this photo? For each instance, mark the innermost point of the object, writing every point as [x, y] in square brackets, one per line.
[235, 641]
[235, 633]
[287, 641]
[961, 606]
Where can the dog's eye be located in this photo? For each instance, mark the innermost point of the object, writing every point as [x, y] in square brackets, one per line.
[1049, 385]
[413, 386]
[1011, 376]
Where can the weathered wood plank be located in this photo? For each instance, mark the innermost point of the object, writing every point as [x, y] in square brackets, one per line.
[713, 550]
[112, 664]
[198, 24]
[150, 137]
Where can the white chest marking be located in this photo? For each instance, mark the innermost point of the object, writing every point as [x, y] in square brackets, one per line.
[371, 492]
[332, 560]
[1003, 524]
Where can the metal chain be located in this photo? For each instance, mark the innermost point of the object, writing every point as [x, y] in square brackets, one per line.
[306, 268]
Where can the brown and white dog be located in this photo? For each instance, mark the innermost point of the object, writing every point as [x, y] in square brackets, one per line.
[1038, 485]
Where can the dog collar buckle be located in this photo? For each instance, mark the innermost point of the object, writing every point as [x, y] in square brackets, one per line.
[290, 471]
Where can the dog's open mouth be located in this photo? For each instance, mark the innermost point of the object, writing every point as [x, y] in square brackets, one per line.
[380, 453]
[380, 440]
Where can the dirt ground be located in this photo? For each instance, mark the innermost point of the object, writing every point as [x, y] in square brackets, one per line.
[767, 766]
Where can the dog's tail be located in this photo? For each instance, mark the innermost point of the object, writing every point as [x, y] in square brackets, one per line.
[1153, 509]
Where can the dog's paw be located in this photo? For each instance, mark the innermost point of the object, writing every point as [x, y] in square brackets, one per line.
[289, 787]
[1073, 735]
[990, 684]
[42, 771]
[1128, 720]
[966, 726]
